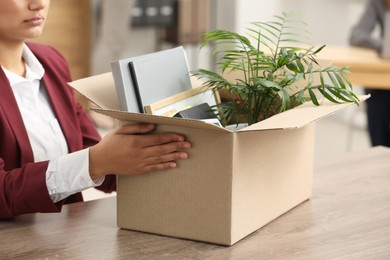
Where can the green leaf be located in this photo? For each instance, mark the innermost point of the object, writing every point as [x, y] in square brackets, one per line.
[310, 80]
[285, 97]
[299, 98]
[344, 97]
[327, 95]
[291, 66]
[322, 80]
[313, 97]
[333, 79]
[319, 49]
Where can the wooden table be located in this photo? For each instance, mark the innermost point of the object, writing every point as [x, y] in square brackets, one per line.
[347, 217]
[367, 68]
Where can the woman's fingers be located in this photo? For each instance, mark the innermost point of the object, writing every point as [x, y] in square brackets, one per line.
[148, 140]
[130, 150]
[157, 159]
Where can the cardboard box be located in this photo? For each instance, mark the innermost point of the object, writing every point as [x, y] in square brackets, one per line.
[234, 182]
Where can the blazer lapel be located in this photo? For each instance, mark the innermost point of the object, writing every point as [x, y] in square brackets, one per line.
[12, 115]
[59, 108]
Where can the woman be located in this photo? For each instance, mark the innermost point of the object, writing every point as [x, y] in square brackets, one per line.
[45, 159]
[378, 105]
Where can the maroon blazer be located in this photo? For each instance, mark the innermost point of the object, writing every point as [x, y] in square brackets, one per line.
[22, 182]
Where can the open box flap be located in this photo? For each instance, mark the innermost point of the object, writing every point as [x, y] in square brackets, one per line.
[99, 89]
[300, 116]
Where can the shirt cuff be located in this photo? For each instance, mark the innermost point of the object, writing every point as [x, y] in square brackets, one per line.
[69, 174]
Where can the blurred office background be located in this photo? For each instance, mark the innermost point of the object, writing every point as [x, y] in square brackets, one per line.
[92, 33]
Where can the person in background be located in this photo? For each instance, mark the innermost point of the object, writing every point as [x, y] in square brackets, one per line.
[378, 105]
[49, 149]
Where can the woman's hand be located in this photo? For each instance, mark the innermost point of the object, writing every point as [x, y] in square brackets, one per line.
[130, 151]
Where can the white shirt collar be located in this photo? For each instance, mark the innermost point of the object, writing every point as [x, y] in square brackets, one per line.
[33, 63]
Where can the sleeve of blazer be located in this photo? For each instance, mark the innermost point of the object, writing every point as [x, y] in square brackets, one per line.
[23, 182]
[21, 194]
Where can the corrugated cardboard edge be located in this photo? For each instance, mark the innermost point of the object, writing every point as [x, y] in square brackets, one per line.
[160, 120]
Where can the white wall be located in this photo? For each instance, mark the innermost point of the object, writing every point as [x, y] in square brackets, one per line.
[330, 21]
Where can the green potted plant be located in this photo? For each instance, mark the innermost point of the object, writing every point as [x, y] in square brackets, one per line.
[272, 60]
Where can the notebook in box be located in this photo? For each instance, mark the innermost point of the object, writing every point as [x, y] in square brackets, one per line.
[160, 75]
[128, 94]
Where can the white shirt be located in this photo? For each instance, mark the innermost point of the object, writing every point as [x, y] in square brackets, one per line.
[66, 173]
